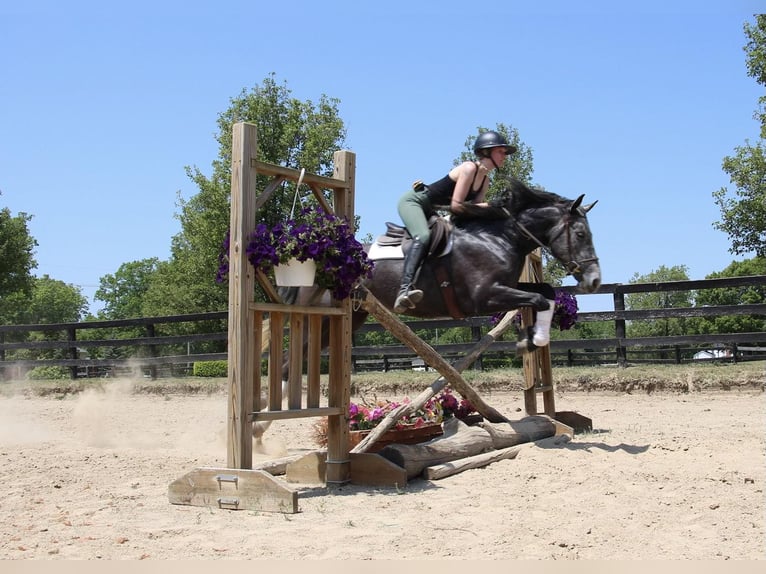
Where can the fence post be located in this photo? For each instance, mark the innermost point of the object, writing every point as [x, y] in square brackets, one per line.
[619, 326]
[476, 337]
[71, 335]
[150, 332]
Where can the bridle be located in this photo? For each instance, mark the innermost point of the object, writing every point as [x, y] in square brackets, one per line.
[572, 266]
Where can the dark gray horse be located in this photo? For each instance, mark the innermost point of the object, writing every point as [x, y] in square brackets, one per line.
[478, 272]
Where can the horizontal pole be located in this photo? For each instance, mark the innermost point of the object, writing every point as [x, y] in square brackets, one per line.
[293, 175]
[295, 413]
[304, 309]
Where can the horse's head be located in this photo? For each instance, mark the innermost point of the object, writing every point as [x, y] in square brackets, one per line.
[561, 225]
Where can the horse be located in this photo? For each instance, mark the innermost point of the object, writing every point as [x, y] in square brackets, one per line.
[475, 269]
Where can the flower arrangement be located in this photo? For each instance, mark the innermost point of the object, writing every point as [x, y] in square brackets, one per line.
[443, 406]
[313, 234]
[364, 417]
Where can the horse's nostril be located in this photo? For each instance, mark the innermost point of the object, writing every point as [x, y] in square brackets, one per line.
[596, 284]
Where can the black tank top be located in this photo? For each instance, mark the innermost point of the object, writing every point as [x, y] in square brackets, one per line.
[440, 191]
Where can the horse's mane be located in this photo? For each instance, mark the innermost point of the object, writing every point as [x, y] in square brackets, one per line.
[518, 196]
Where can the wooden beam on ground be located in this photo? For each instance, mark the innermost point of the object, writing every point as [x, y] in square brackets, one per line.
[477, 461]
[459, 441]
[402, 332]
[528, 429]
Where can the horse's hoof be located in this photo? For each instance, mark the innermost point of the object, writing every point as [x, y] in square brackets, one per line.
[525, 346]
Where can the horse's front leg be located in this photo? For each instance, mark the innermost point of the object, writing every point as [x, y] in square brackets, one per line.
[539, 296]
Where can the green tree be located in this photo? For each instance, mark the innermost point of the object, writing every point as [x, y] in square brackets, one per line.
[17, 259]
[743, 215]
[659, 300]
[54, 301]
[50, 301]
[751, 294]
[123, 293]
[292, 133]
[589, 330]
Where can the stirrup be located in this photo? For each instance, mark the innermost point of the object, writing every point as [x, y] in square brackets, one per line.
[415, 296]
[407, 299]
[402, 303]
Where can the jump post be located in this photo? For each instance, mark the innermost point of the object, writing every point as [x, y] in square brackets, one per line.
[538, 372]
[228, 487]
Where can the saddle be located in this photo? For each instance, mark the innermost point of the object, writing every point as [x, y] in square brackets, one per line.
[439, 246]
[441, 236]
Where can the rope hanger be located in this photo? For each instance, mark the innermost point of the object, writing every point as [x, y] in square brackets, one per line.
[297, 187]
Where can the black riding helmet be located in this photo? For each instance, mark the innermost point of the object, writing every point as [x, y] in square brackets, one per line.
[485, 142]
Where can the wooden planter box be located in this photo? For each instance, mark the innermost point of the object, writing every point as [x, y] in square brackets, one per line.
[410, 435]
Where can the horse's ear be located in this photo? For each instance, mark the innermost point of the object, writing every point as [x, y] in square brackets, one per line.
[577, 203]
[587, 208]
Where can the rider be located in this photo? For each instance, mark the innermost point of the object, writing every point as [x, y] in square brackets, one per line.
[465, 183]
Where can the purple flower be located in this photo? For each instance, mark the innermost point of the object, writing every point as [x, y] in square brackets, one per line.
[565, 310]
[448, 402]
[376, 413]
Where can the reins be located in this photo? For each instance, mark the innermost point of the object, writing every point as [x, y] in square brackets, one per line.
[573, 266]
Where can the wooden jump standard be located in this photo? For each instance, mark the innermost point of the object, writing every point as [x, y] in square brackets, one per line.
[239, 485]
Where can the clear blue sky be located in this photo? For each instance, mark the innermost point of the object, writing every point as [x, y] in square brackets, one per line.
[102, 107]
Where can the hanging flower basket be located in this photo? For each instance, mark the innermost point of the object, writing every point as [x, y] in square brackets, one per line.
[314, 235]
[295, 273]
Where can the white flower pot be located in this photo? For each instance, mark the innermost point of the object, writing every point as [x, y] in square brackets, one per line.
[295, 273]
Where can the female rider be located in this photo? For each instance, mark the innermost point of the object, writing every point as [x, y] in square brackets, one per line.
[465, 183]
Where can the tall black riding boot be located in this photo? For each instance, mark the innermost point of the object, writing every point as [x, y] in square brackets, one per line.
[408, 297]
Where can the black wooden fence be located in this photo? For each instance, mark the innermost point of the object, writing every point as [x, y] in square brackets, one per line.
[152, 354]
